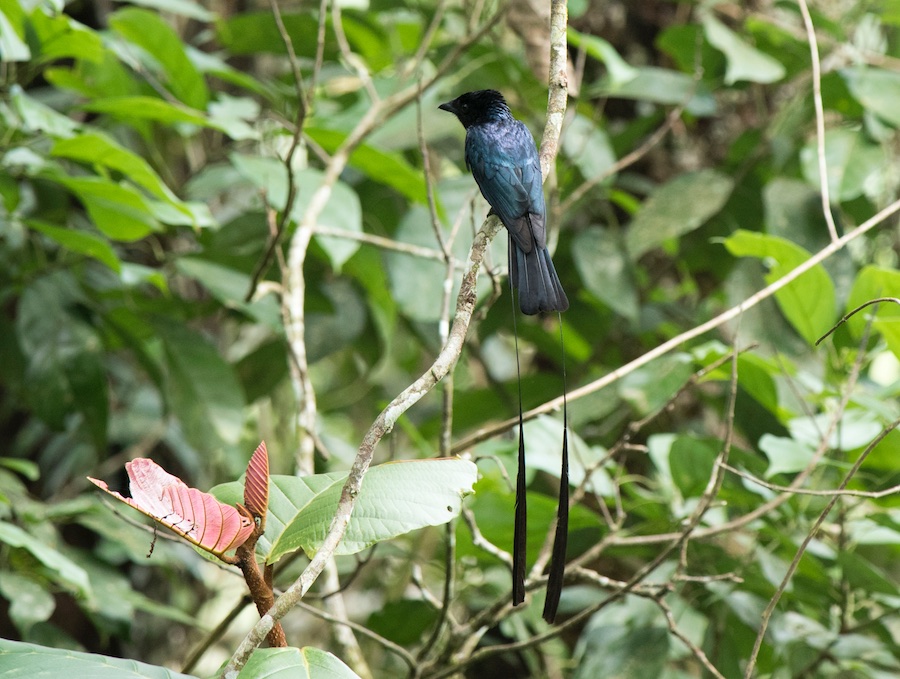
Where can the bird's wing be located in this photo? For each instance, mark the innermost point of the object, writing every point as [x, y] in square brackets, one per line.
[505, 164]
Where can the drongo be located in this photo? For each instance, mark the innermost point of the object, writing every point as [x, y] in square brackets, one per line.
[501, 154]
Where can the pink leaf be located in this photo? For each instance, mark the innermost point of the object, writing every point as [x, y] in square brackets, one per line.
[196, 516]
[256, 483]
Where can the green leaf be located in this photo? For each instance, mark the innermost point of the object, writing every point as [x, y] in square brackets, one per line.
[588, 147]
[661, 86]
[65, 370]
[786, 455]
[148, 108]
[744, 62]
[41, 662]
[342, 211]
[396, 498]
[147, 30]
[871, 283]
[38, 117]
[807, 302]
[101, 151]
[267, 174]
[81, 242]
[295, 663]
[384, 167]
[691, 464]
[60, 37]
[230, 287]
[618, 69]
[186, 8]
[119, 211]
[204, 392]
[12, 47]
[852, 163]
[64, 570]
[29, 602]
[623, 652]
[676, 208]
[877, 89]
[603, 266]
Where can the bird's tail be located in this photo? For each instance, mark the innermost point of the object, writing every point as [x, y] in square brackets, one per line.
[534, 276]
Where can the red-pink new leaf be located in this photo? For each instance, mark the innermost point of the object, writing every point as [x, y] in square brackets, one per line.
[196, 516]
[256, 482]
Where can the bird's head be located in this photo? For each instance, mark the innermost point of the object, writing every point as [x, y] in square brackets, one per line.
[477, 107]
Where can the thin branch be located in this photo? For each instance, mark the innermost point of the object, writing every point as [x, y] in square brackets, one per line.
[820, 119]
[555, 404]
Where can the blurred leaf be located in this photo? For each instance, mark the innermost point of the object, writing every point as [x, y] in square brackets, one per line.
[12, 47]
[295, 663]
[618, 69]
[101, 151]
[60, 37]
[649, 388]
[390, 169]
[877, 89]
[119, 211]
[691, 462]
[80, 242]
[301, 509]
[38, 117]
[661, 86]
[29, 602]
[676, 208]
[40, 662]
[64, 370]
[404, 621]
[622, 652]
[64, 570]
[132, 108]
[186, 8]
[202, 387]
[147, 30]
[851, 161]
[808, 302]
[744, 61]
[588, 147]
[342, 212]
[871, 283]
[605, 270]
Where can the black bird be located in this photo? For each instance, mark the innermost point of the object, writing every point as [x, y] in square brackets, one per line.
[502, 156]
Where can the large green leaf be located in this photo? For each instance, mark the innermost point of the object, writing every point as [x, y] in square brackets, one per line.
[588, 147]
[295, 663]
[676, 208]
[147, 30]
[871, 283]
[60, 36]
[603, 266]
[18, 659]
[807, 302]
[396, 498]
[203, 390]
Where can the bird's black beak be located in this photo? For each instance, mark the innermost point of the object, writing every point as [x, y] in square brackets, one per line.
[448, 106]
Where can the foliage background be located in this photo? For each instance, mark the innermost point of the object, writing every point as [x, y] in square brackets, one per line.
[150, 149]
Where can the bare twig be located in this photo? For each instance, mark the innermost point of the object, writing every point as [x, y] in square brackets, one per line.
[820, 119]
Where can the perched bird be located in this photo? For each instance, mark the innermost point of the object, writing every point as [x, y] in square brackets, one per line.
[501, 153]
[502, 156]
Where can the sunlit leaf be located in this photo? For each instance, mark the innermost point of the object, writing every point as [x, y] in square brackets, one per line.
[81, 242]
[807, 302]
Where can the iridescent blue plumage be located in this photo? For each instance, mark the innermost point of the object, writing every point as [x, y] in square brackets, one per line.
[502, 156]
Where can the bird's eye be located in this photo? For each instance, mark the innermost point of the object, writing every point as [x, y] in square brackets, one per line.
[464, 107]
